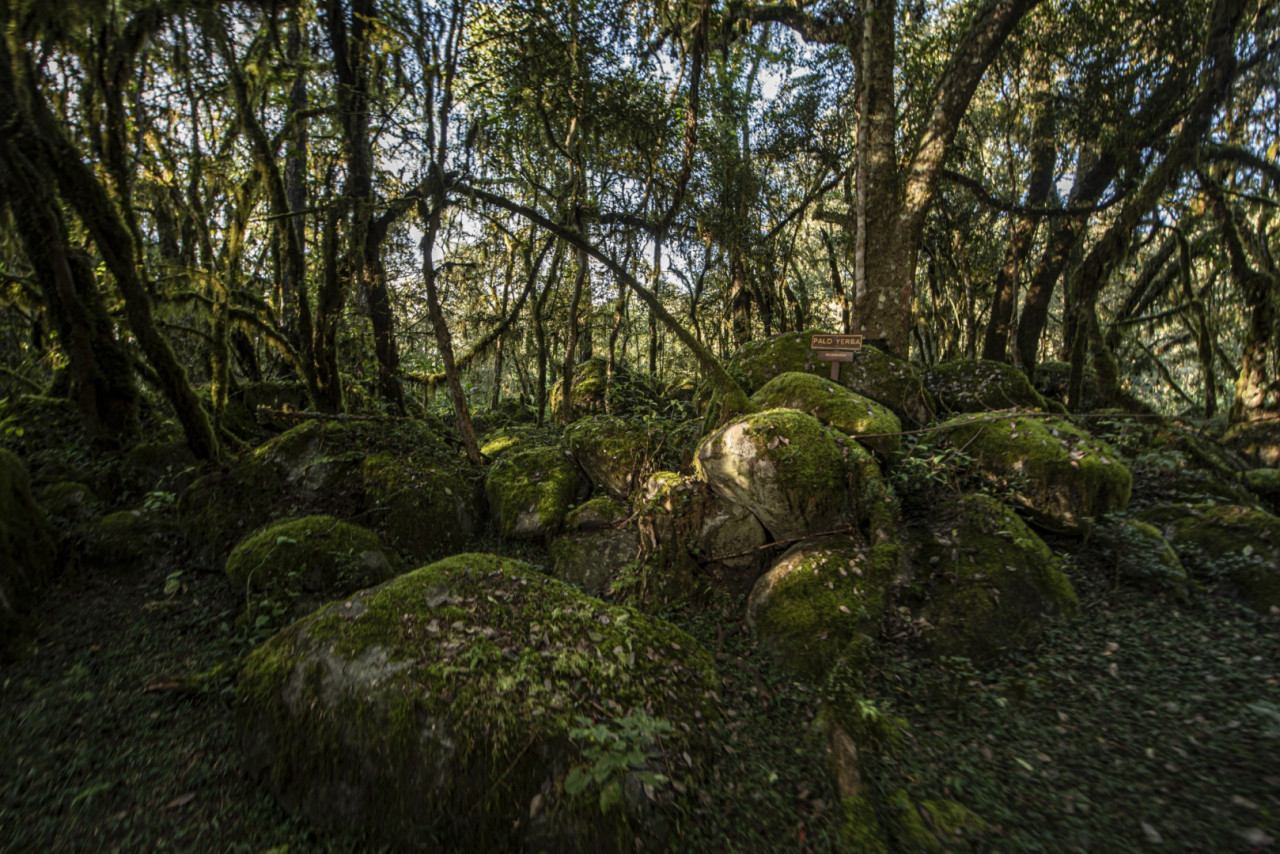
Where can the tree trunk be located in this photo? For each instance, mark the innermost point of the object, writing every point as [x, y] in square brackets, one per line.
[995, 344]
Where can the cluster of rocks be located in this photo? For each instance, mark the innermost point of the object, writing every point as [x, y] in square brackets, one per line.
[447, 702]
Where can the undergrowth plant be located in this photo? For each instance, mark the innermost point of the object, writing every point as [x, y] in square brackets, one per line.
[613, 751]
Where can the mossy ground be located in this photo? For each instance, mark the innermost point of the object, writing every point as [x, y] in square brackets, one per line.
[1140, 715]
[1138, 720]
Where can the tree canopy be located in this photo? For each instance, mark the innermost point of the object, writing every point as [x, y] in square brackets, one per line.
[376, 197]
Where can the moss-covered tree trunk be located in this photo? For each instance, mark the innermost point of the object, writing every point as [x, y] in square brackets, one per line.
[58, 162]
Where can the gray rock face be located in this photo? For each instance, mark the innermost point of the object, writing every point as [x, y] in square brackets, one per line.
[726, 532]
[783, 466]
[591, 559]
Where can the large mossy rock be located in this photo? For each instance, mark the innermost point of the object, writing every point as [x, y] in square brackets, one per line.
[837, 407]
[818, 602]
[783, 466]
[400, 478]
[446, 707]
[616, 453]
[981, 385]
[591, 559]
[893, 382]
[130, 542]
[697, 538]
[1257, 440]
[1053, 378]
[1063, 476]
[594, 391]
[1235, 548]
[27, 545]
[984, 582]
[304, 562]
[531, 491]
[1139, 556]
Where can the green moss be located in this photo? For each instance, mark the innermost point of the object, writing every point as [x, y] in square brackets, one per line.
[497, 443]
[129, 541]
[892, 382]
[424, 510]
[1140, 556]
[819, 598]
[860, 830]
[835, 406]
[219, 508]
[989, 584]
[1064, 476]
[601, 512]
[1263, 481]
[68, 500]
[27, 546]
[316, 555]
[530, 492]
[617, 454]
[931, 825]
[439, 704]
[590, 384]
[981, 385]
[1236, 548]
[783, 466]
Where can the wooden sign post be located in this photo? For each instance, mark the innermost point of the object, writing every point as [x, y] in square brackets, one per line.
[835, 349]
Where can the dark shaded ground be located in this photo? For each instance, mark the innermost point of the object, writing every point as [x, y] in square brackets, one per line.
[1138, 725]
[105, 751]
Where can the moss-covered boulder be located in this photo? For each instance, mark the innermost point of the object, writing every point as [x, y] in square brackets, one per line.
[591, 559]
[159, 467]
[893, 382]
[219, 508]
[400, 478]
[495, 443]
[1139, 556]
[835, 406]
[1257, 440]
[130, 542]
[783, 466]
[1235, 549]
[981, 385]
[1263, 481]
[1062, 476]
[530, 492]
[984, 582]
[27, 546]
[472, 703]
[816, 601]
[304, 562]
[69, 501]
[424, 508]
[590, 387]
[616, 453]
[599, 512]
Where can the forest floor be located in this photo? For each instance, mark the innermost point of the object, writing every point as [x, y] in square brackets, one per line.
[1138, 725]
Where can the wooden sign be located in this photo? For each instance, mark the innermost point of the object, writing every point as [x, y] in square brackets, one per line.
[835, 349]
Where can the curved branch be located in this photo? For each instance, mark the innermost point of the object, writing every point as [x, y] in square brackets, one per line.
[735, 398]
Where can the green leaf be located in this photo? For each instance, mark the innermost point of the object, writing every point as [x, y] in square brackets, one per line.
[576, 782]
